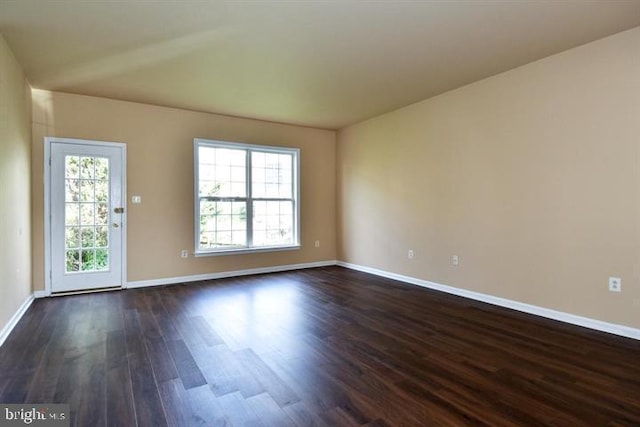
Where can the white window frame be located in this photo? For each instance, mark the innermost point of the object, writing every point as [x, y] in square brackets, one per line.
[295, 152]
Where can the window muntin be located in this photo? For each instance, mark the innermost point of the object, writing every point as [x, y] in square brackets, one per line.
[246, 197]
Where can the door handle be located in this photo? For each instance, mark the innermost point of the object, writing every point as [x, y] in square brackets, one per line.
[116, 225]
[119, 210]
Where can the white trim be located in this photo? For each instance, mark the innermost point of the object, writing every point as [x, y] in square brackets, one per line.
[249, 148]
[48, 140]
[246, 250]
[46, 181]
[598, 325]
[4, 333]
[225, 274]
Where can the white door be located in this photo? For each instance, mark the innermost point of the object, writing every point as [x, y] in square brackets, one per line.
[87, 215]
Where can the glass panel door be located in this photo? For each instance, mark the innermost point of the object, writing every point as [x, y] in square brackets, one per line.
[87, 216]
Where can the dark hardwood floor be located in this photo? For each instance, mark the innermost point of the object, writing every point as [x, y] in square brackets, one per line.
[325, 347]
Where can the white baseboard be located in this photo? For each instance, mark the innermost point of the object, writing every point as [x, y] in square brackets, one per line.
[224, 274]
[40, 294]
[586, 322]
[599, 325]
[4, 333]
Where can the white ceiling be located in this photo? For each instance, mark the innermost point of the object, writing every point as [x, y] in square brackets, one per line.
[325, 64]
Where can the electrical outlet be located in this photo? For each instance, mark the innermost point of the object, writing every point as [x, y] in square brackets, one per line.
[410, 254]
[136, 199]
[317, 243]
[615, 284]
[455, 259]
[184, 253]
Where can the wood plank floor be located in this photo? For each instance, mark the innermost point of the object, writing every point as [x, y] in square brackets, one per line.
[318, 347]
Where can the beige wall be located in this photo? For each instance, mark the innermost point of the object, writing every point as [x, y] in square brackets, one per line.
[15, 182]
[532, 177]
[160, 169]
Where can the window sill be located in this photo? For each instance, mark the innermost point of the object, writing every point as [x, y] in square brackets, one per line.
[241, 251]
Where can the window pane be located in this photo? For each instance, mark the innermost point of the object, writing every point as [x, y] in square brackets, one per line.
[271, 175]
[102, 237]
[209, 188]
[87, 188]
[239, 217]
[71, 237]
[72, 191]
[273, 223]
[72, 167]
[72, 213]
[222, 224]
[222, 172]
[87, 237]
[86, 214]
[88, 259]
[102, 168]
[87, 167]
[223, 238]
[102, 191]
[102, 213]
[221, 183]
[87, 205]
[102, 259]
[73, 261]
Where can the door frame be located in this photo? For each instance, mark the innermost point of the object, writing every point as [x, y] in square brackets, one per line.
[48, 240]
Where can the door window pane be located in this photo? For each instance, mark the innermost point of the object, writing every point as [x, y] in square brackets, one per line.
[86, 213]
[73, 261]
[72, 237]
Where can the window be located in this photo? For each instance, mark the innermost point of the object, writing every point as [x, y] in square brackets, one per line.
[246, 197]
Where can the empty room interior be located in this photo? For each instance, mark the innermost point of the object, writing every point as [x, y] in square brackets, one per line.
[320, 213]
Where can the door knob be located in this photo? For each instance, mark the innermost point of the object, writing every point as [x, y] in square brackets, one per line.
[119, 210]
[116, 225]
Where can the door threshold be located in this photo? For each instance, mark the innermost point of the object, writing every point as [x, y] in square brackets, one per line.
[86, 291]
